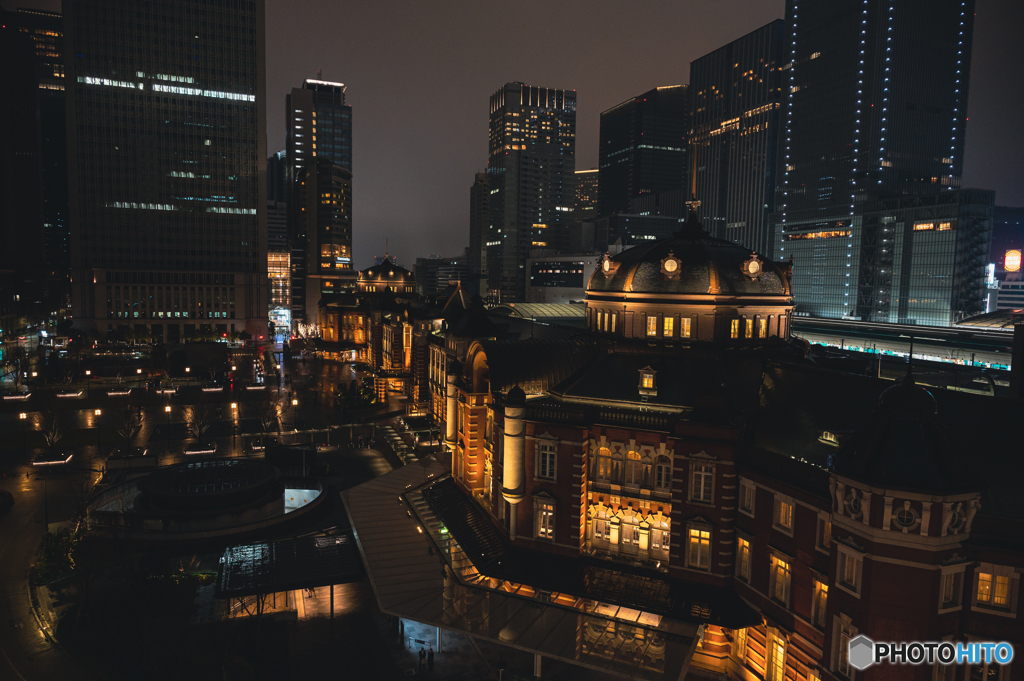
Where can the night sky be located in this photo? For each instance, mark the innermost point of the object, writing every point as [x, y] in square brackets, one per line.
[419, 75]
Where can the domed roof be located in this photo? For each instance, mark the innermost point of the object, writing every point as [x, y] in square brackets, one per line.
[904, 444]
[690, 262]
[387, 269]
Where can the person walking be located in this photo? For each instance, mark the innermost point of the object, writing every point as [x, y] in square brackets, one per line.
[423, 657]
[430, 659]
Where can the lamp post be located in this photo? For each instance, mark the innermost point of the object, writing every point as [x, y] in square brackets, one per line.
[138, 373]
[167, 410]
[234, 423]
[97, 413]
[88, 383]
[24, 432]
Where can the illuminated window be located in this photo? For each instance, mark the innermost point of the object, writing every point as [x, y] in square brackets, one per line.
[604, 464]
[633, 468]
[734, 328]
[700, 549]
[748, 328]
[923, 226]
[818, 604]
[784, 514]
[546, 520]
[762, 328]
[824, 532]
[777, 662]
[652, 325]
[739, 645]
[647, 381]
[743, 559]
[993, 590]
[684, 328]
[849, 571]
[669, 327]
[779, 587]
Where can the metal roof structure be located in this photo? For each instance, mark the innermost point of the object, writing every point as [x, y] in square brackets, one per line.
[540, 310]
[419, 571]
[307, 562]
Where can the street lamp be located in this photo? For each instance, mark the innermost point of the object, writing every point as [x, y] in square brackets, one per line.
[88, 382]
[98, 412]
[24, 432]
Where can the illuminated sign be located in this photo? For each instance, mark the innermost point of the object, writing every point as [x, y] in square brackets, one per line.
[1011, 261]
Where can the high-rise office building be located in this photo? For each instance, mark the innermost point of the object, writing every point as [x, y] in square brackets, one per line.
[479, 225]
[585, 207]
[46, 31]
[874, 107]
[22, 246]
[532, 147]
[167, 153]
[736, 92]
[279, 264]
[319, 124]
[643, 148]
[320, 232]
[277, 177]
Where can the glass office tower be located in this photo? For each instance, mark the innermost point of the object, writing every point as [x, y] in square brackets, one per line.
[530, 174]
[319, 126]
[643, 148]
[167, 153]
[874, 108]
[736, 93]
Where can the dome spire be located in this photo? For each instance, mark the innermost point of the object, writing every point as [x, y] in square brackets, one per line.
[692, 228]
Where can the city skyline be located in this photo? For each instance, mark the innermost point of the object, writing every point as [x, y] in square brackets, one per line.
[399, 145]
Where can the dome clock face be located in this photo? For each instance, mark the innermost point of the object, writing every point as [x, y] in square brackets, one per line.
[671, 265]
[753, 267]
[606, 265]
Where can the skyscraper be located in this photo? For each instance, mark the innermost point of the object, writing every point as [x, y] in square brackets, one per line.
[319, 125]
[736, 94]
[479, 224]
[874, 107]
[277, 177]
[643, 147]
[530, 170]
[167, 151]
[22, 247]
[45, 30]
[585, 206]
[320, 232]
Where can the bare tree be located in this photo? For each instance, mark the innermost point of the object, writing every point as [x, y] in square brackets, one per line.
[48, 423]
[268, 410]
[14, 363]
[130, 424]
[199, 418]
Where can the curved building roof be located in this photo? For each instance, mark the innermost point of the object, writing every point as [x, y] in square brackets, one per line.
[387, 270]
[690, 262]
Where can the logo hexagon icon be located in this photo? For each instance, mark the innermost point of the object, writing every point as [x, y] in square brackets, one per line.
[861, 652]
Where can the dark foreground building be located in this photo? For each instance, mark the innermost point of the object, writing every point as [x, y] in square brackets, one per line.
[167, 167]
[682, 491]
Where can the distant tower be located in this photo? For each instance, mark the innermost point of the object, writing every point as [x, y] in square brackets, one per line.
[530, 175]
[479, 224]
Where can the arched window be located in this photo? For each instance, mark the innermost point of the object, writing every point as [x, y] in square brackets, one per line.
[599, 526]
[629, 539]
[633, 469]
[663, 474]
[603, 469]
[647, 478]
[617, 466]
[660, 537]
